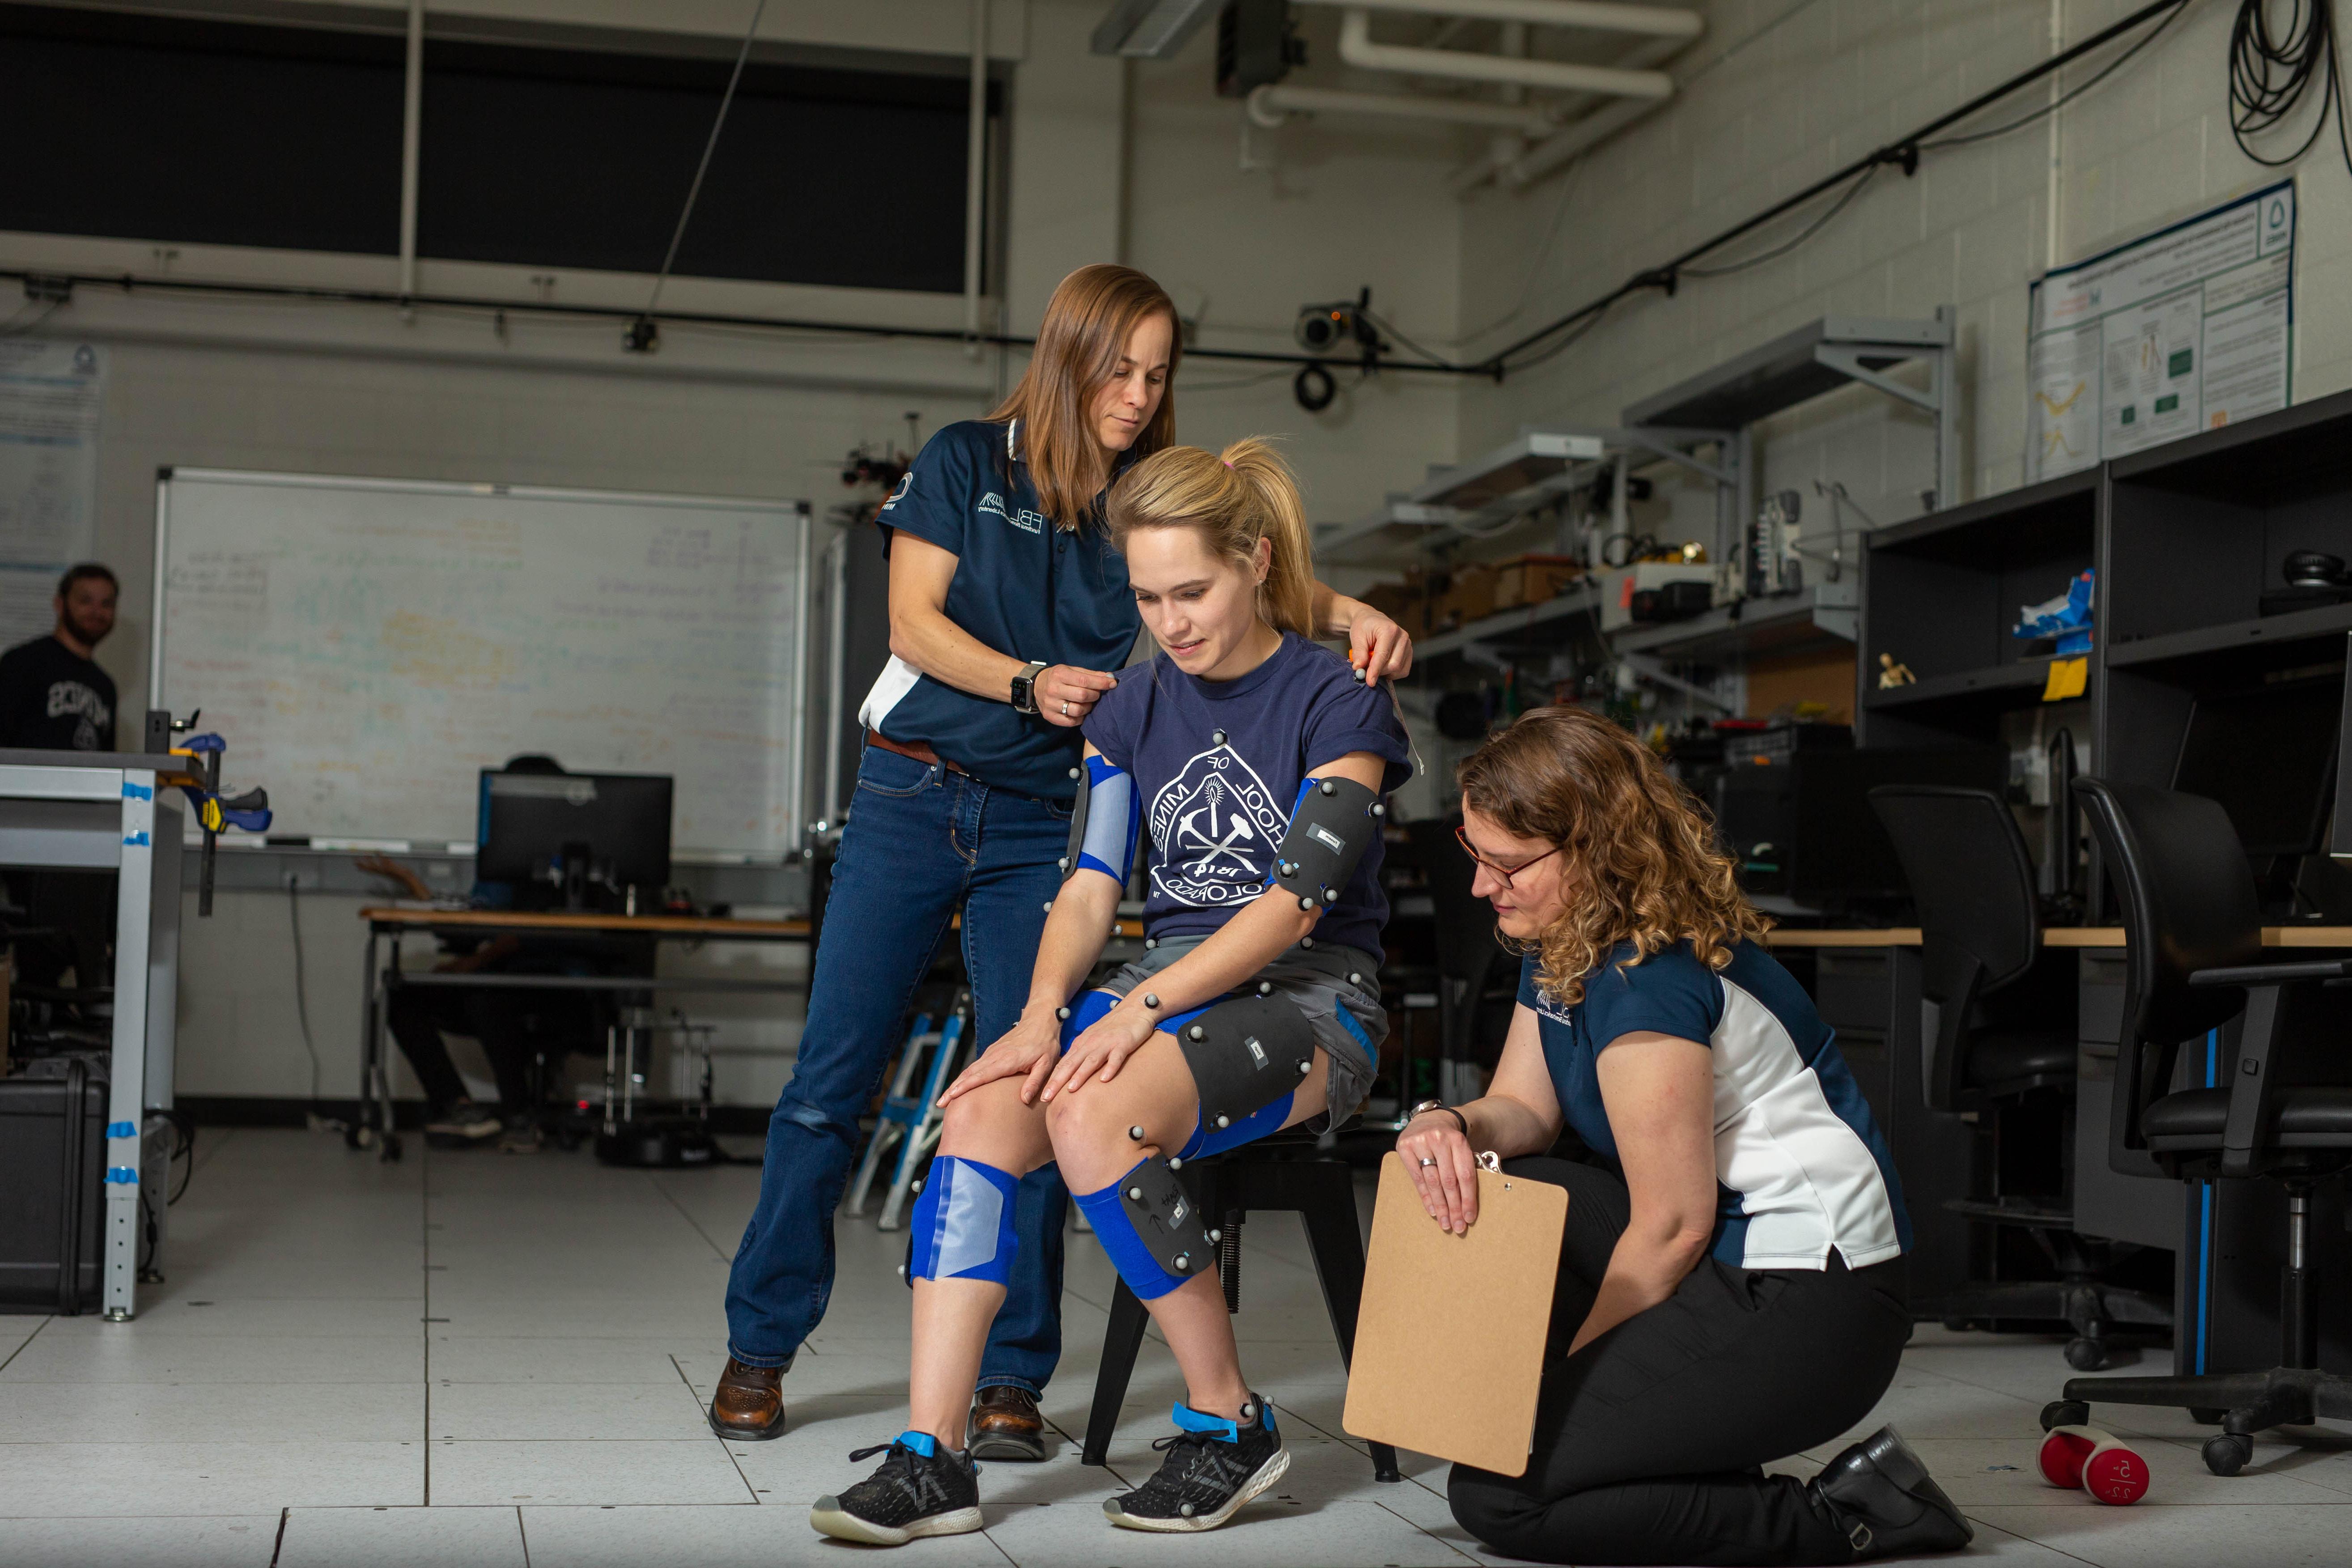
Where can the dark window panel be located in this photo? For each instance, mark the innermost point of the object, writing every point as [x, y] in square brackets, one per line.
[213, 133]
[538, 157]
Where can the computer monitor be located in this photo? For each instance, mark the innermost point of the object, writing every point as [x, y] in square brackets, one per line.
[1843, 853]
[2267, 754]
[533, 826]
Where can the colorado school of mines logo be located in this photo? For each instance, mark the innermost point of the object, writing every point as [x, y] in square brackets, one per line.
[1216, 824]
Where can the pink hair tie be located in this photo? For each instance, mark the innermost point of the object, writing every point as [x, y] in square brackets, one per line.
[1228, 462]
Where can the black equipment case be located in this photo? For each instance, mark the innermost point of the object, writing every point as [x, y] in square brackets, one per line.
[52, 1190]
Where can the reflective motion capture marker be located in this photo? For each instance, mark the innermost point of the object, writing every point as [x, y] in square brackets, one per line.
[1266, 988]
[1135, 1133]
[1216, 737]
[1150, 1000]
[1063, 1013]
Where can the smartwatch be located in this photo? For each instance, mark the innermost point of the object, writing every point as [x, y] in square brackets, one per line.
[1025, 687]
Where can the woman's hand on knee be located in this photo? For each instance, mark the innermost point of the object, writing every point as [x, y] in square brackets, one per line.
[1098, 1053]
[1029, 1047]
[1443, 1168]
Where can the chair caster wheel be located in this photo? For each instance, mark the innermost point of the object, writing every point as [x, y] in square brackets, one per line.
[2065, 1413]
[2226, 1453]
[2207, 1416]
[2087, 1355]
[358, 1137]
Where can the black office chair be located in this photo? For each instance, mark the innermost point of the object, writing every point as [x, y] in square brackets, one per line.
[1996, 1032]
[1274, 1172]
[2193, 961]
[1477, 981]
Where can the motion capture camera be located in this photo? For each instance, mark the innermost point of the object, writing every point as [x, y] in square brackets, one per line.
[1336, 327]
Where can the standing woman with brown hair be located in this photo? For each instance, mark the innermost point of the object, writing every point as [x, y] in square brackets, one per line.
[1728, 1291]
[1009, 613]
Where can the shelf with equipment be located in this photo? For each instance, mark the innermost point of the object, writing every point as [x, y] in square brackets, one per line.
[2205, 539]
[1462, 501]
[1940, 596]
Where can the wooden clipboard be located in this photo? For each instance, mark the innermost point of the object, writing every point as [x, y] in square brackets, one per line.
[1450, 1337]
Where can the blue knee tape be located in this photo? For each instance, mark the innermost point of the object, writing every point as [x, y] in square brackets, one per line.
[963, 1223]
[1085, 1012]
[1115, 1231]
[1207, 1140]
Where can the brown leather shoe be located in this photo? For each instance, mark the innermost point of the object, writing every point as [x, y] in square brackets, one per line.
[749, 1404]
[1005, 1425]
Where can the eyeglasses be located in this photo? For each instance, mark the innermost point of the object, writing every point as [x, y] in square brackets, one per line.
[1505, 872]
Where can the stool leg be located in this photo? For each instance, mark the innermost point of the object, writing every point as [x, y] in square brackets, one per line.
[1338, 1244]
[1121, 1340]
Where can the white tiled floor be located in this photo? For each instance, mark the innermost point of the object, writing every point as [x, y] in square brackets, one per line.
[483, 1360]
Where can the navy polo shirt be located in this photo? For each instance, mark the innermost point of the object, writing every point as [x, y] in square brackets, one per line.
[1799, 1167]
[1022, 587]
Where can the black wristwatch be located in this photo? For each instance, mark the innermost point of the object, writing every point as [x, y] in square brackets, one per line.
[1025, 687]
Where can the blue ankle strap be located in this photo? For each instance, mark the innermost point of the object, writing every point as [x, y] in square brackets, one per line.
[922, 1443]
[1218, 1427]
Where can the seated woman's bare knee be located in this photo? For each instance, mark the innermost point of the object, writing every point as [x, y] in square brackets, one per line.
[1093, 1125]
[992, 1125]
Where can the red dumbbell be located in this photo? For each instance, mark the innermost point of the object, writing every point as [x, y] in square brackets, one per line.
[2100, 1463]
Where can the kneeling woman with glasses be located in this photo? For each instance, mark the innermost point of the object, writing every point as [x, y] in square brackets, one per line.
[1256, 761]
[1726, 1292]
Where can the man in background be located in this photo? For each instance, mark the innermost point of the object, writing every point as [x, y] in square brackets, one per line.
[55, 697]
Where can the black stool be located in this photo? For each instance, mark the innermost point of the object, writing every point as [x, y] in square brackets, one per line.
[1256, 1176]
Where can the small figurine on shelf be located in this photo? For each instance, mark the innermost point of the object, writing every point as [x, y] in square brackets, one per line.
[1892, 675]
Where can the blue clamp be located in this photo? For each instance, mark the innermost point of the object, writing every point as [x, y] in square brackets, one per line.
[122, 1130]
[123, 1175]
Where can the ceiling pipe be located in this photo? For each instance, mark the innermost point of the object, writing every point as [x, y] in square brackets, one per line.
[1591, 16]
[1270, 106]
[1357, 48]
[1575, 135]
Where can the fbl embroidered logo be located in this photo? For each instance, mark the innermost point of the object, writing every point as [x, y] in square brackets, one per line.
[1216, 824]
[1026, 520]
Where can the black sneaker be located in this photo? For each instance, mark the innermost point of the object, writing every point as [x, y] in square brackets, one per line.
[920, 1490]
[1879, 1496]
[1214, 1465]
[462, 1122]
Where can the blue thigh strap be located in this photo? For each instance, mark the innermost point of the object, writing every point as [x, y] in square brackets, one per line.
[963, 1223]
[1089, 1009]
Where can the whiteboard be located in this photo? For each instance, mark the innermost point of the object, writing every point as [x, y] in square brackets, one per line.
[366, 645]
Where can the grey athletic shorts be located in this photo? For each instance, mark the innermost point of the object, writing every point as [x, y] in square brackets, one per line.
[1316, 980]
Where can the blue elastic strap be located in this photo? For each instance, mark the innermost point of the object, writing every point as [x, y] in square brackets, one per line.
[1083, 1013]
[1206, 1139]
[1218, 1427]
[1107, 1213]
[923, 1443]
[963, 1223]
[1114, 820]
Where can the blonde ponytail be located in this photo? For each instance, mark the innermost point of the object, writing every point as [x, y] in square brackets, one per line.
[1233, 499]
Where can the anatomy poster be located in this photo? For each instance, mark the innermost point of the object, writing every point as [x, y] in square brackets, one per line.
[49, 397]
[2189, 329]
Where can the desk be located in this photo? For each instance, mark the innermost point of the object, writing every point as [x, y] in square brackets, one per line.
[387, 924]
[101, 811]
[2051, 936]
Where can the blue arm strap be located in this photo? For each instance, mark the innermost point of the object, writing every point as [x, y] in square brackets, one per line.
[1114, 820]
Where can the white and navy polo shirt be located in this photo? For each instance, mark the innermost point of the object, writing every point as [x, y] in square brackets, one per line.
[1799, 1165]
[1022, 586]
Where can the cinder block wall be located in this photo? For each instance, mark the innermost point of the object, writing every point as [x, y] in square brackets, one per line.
[1782, 92]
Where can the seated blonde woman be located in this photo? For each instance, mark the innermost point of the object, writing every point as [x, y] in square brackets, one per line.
[1250, 762]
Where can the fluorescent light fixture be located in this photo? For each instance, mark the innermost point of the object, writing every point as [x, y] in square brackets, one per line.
[1152, 29]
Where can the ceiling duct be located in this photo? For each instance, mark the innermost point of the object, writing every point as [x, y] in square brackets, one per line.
[1152, 29]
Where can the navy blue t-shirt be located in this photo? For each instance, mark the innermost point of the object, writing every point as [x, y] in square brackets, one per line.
[1022, 586]
[1214, 812]
[1799, 1165]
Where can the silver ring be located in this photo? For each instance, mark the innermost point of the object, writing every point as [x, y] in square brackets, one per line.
[1427, 1161]
[1065, 710]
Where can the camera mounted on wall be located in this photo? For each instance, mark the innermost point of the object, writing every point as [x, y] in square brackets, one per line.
[1334, 329]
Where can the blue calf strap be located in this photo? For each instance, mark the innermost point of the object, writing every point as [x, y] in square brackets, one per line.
[963, 1223]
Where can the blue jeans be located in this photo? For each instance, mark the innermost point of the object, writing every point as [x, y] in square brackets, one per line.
[920, 842]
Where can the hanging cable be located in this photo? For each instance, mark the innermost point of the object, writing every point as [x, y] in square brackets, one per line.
[1861, 181]
[2274, 70]
[2063, 99]
[301, 989]
[694, 192]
